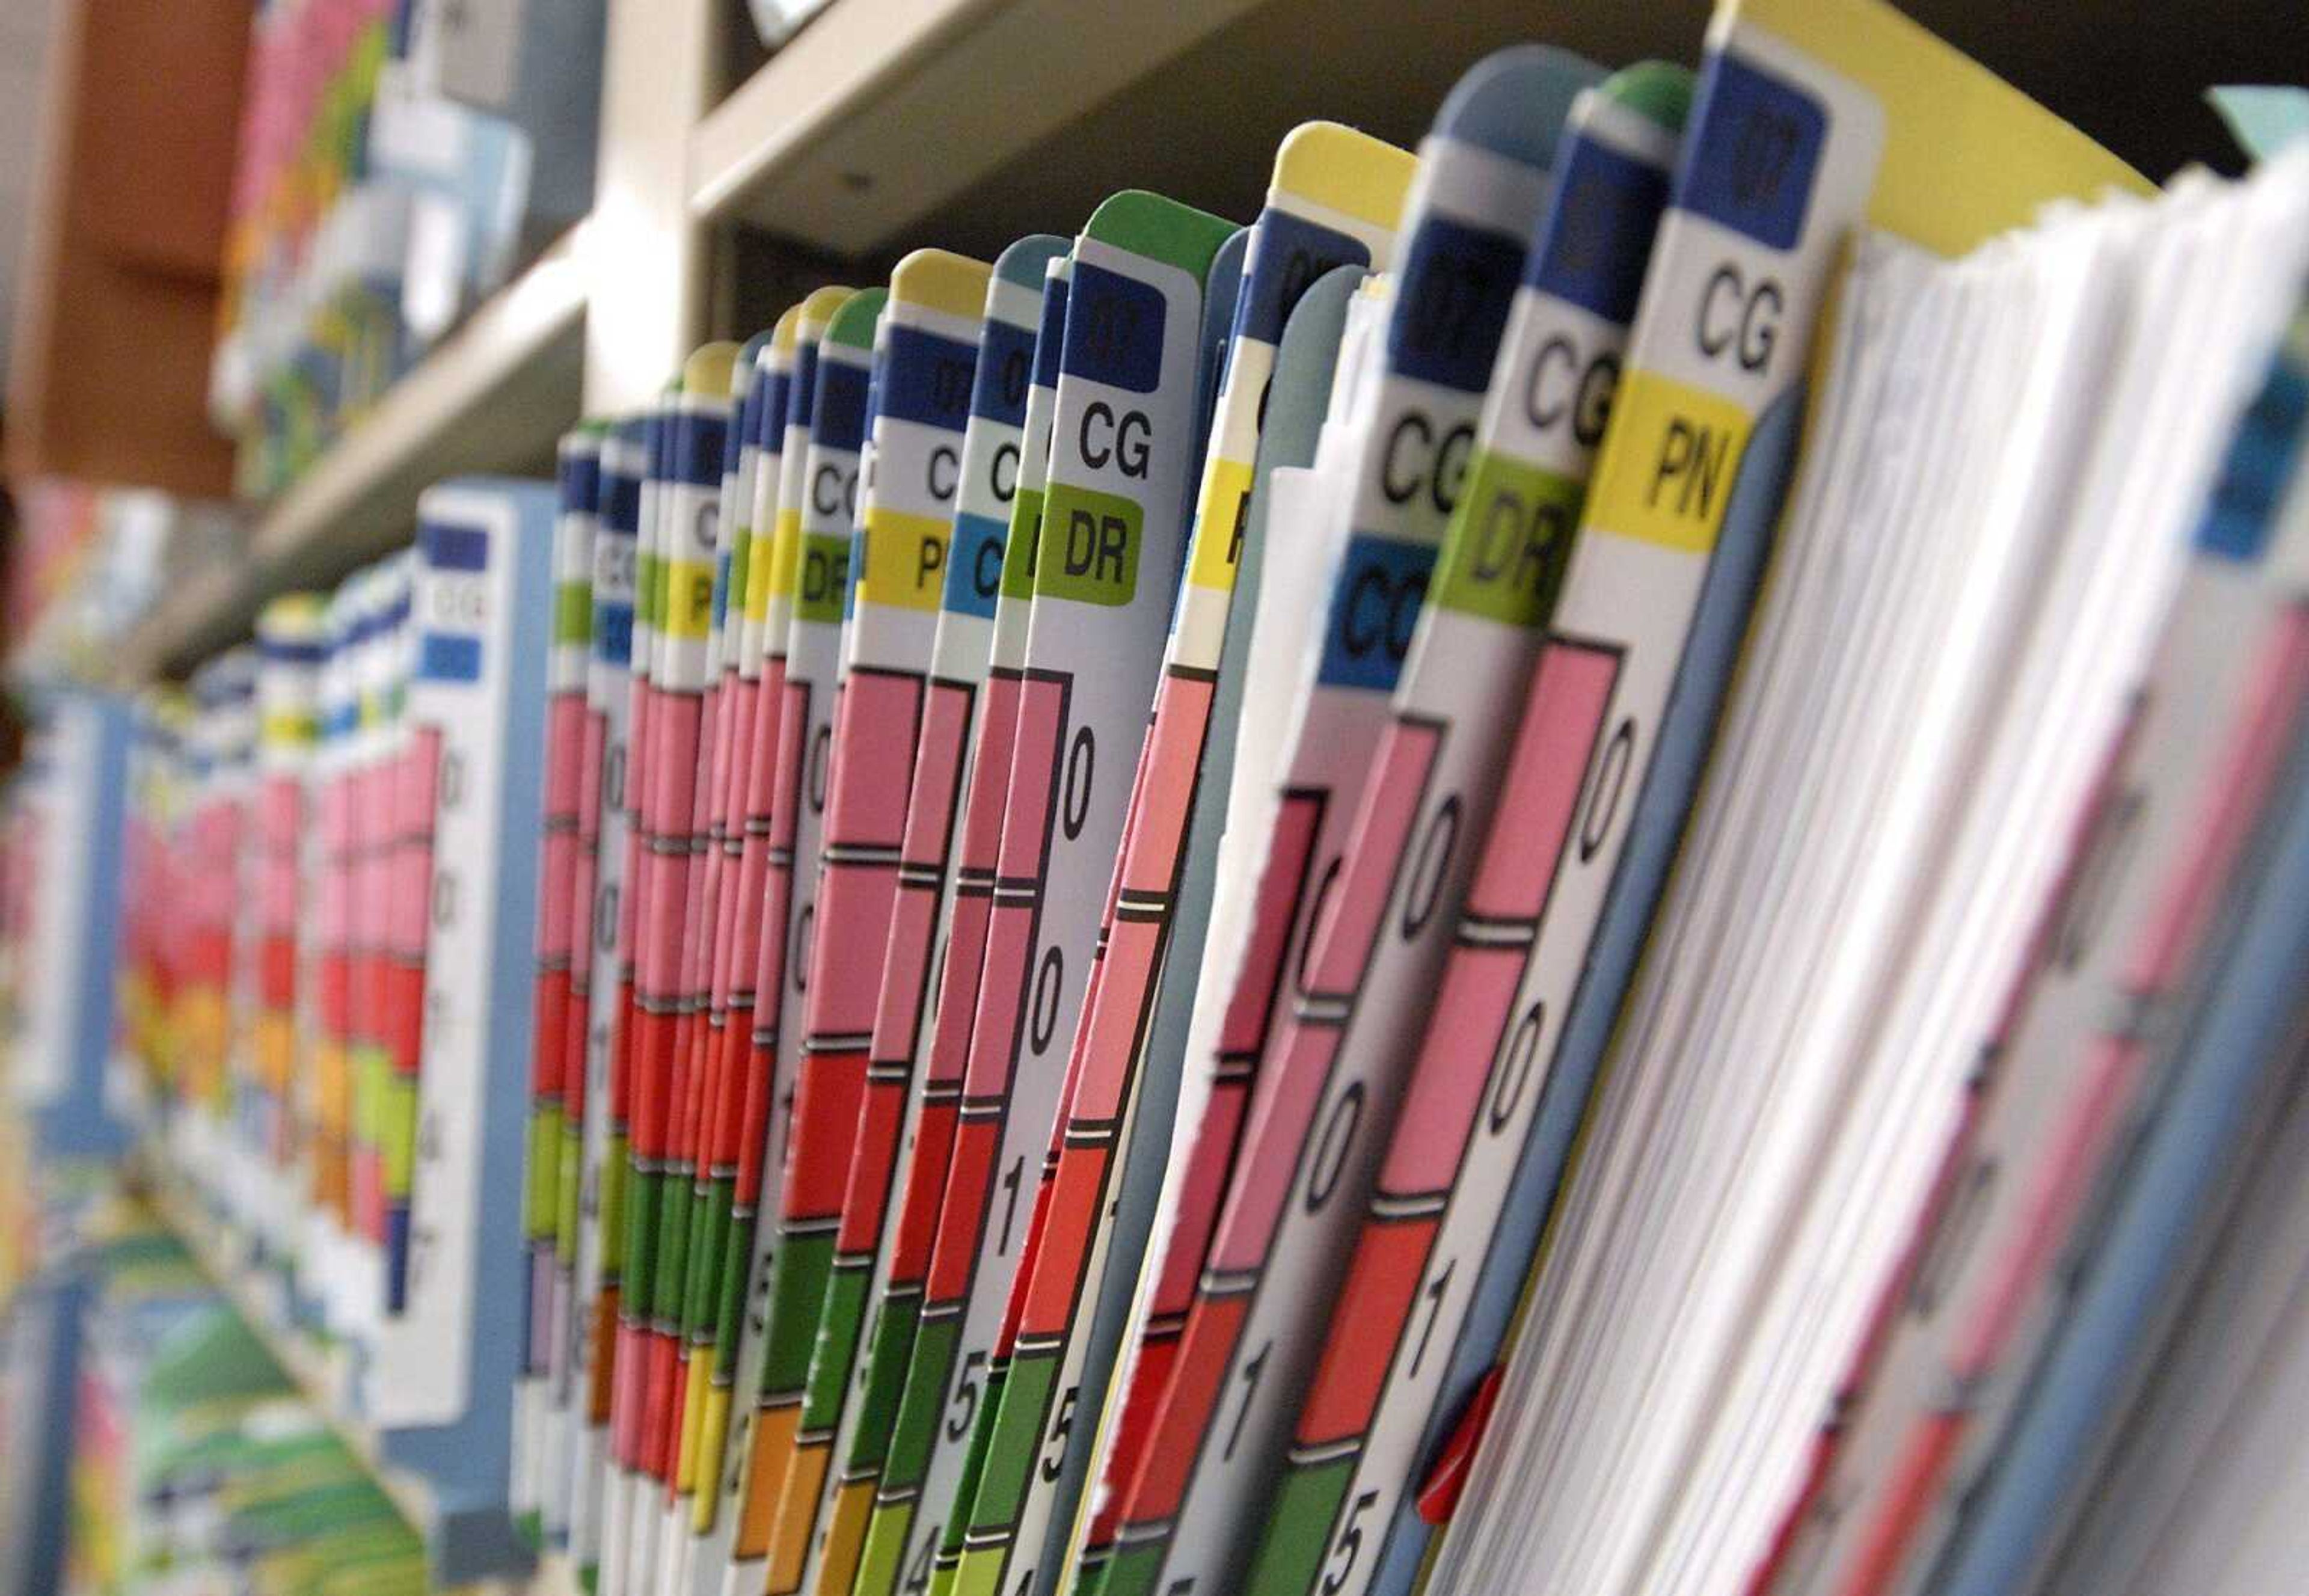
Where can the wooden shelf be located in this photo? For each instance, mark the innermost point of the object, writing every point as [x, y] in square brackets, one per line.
[494, 396]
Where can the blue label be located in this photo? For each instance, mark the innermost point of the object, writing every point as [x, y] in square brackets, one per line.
[973, 572]
[739, 428]
[1005, 370]
[655, 430]
[1114, 330]
[1374, 609]
[621, 504]
[749, 426]
[1753, 148]
[770, 420]
[1598, 233]
[928, 378]
[445, 656]
[1288, 253]
[581, 480]
[878, 379]
[396, 1253]
[452, 548]
[839, 423]
[2258, 468]
[613, 634]
[283, 651]
[699, 441]
[1458, 283]
[801, 402]
[1052, 334]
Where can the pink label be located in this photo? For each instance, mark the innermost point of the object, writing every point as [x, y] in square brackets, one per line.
[876, 730]
[1455, 1064]
[565, 753]
[1283, 886]
[1570, 692]
[1374, 851]
[1297, 1073]
[853, 923]
[2230, 800]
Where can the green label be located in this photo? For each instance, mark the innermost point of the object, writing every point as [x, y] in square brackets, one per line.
[824, 580]
[892, 1345]
[796, 1299]
[1090, 547]
[649, 589]
[613, 1206]
[572, 612]
[1026, 534]
[1503, 559]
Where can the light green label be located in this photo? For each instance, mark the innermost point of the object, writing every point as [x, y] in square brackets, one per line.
[1504, 556]
[572, 612]
[1090, 547]
[825, 578]
[1025, 537]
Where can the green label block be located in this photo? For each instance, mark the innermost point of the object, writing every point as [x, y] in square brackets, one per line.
[1504, 556]
[1090, 548]
[889, 1349]
[1019, 548]
[824, 581]
[1298, 1530]
[837, 1344]
[886, 1545]
[1017, 1447]
[797, 1294]
[573, 613]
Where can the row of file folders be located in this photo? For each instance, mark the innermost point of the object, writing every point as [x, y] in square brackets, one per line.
[1506, 883]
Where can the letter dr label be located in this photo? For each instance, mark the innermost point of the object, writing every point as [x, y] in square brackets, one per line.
[1089, 546]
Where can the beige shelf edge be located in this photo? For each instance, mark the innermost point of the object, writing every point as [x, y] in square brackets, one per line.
[823, 144]
[493, 397]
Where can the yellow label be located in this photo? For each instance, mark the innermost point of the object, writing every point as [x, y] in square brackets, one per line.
[939, 279]
[276, 1050]
[1669, 464]
[782, 337]
[693, 1418]
[713, 1433]
[706, 371]
[285, 728]
[785, 556]
[1219, 524]
[1346, 171]
[906, 559]
[1966, 156]
[688, 600]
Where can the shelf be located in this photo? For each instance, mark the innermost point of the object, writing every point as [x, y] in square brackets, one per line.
[324, 1381]
[825, 144]
[887, 123]
[494, 396]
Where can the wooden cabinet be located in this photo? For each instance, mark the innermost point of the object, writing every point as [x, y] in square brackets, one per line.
[116, 313]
